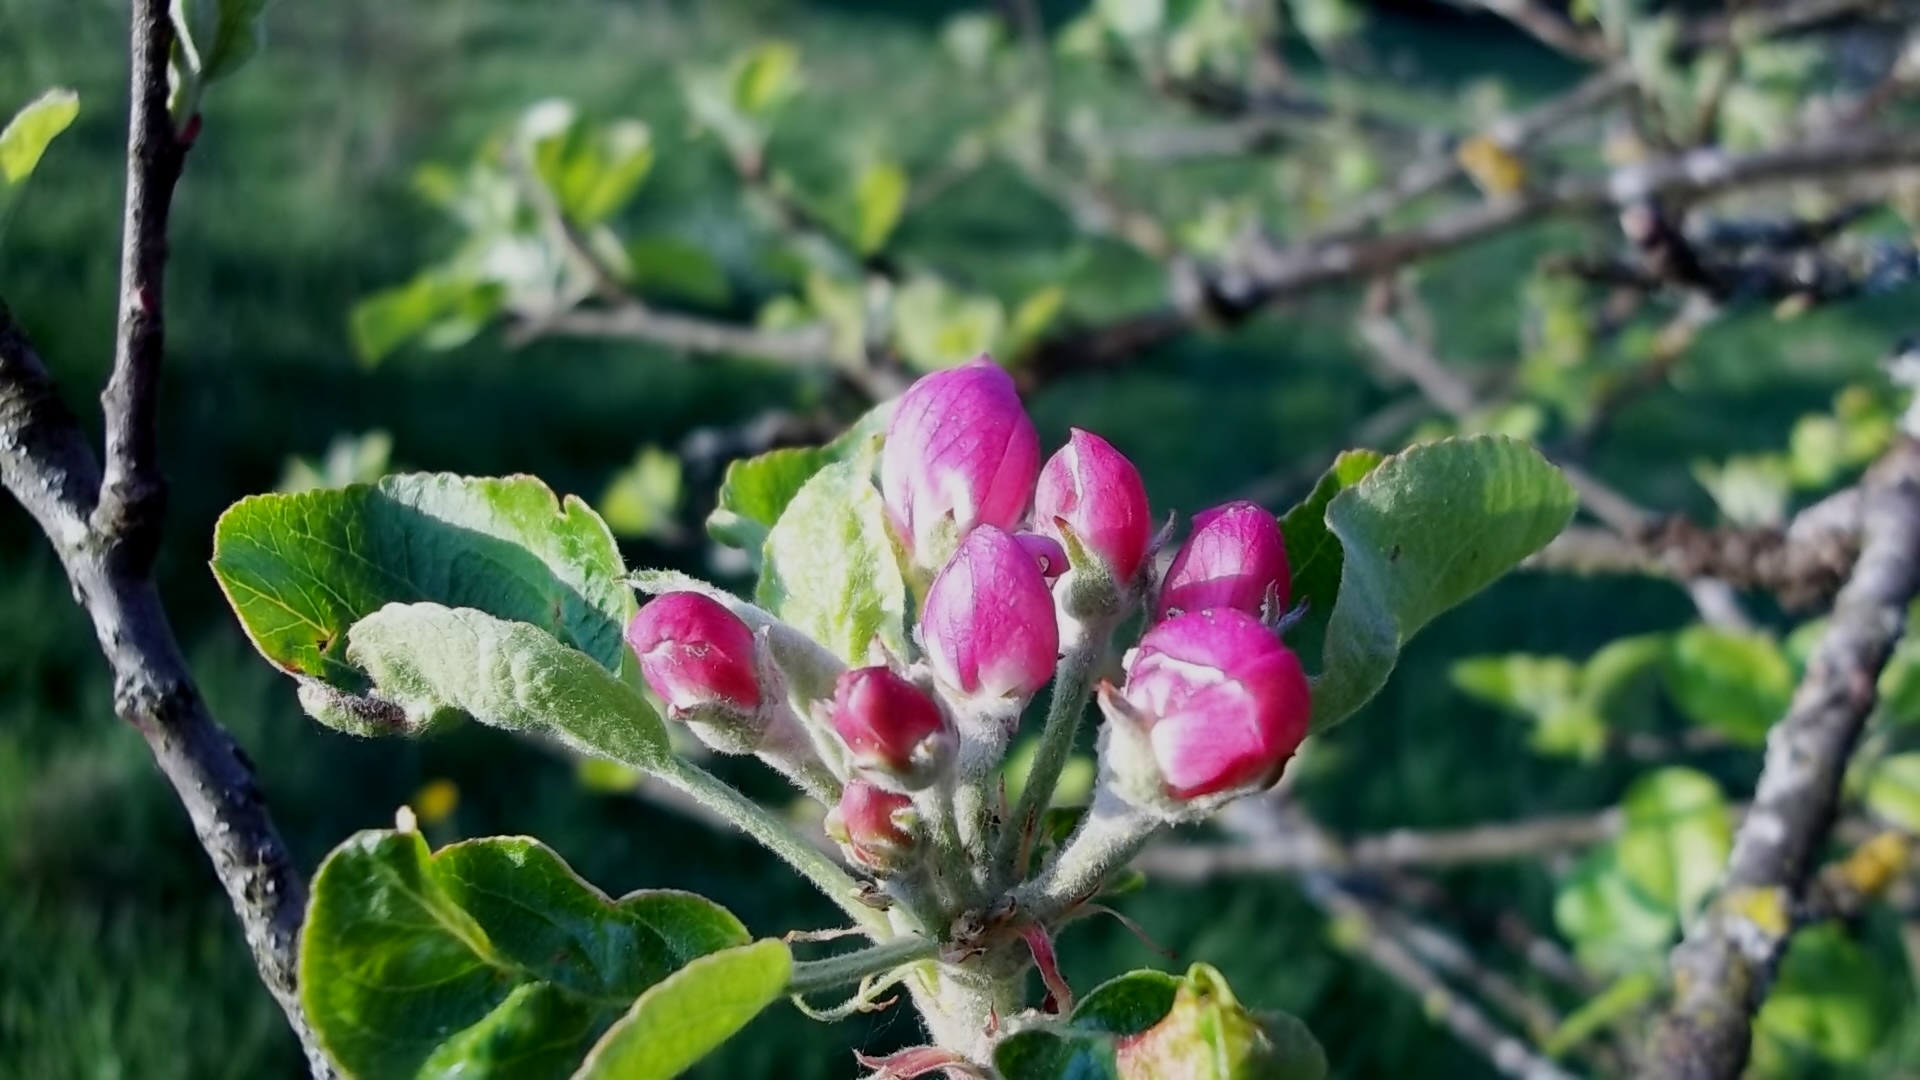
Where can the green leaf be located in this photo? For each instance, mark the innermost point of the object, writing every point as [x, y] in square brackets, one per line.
[687, 1016]
[592, 170]
[879, 198]
[829, 566]
[766, 77]
[1039, 1054]
[1833, 1005]
[439, 663]
[1735, 682]
[1034, 317]
[350, 459]
[664, 264]
[1127, 1004]
[1420, 533]
[1313, 552]
[1677, 838]
[218, 37]
[300, 569]
[1543, 689]
[1613, 925]
[1893, 791]
[1622, 998]
[757, 490]
[489, 958]
[937, 326]
[642, 498]
[439, 309]
[28, 134]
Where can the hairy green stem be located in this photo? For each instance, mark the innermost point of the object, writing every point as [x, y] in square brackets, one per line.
[951, 873]
[1112, 834]
[850, 968]
[1071, 685]
[776, 836]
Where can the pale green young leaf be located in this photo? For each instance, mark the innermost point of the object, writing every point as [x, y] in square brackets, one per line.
[1732, 681]
[643, 498]
[218, 37]
[1893, 791]
[829, 566]
[687, 1016]
[301, 569]
[28, 134]
[938, 326]
[438, 309]
[440, 663]
[756, 490]
[1420, 533]
[1677, 837]
[879, 198]
[1613, 925]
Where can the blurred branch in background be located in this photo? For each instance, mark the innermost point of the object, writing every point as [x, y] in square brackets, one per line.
[1725, 966]
[105, 526]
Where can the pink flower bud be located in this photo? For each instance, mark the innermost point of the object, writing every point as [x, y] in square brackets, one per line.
[960, 452]
[1097, 492]
[1235, 558]
[1224, 703]
[892, 727]
[988, 624]
[876, 828]
[695, 654]
[1047, 554]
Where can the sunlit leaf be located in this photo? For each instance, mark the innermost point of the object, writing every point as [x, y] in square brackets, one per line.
[1421, 532]
[486, 959]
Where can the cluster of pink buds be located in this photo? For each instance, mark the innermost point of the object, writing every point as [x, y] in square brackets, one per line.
[1013, 562]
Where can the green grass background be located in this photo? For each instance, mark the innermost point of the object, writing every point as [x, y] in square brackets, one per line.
[118, 957]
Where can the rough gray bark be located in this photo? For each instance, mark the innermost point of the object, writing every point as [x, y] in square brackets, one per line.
[1724, 968]
[105, 528]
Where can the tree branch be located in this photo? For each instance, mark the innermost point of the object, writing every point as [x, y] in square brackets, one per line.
[1265, 271]
[133, 495]
[105, 529]
[1725, 966]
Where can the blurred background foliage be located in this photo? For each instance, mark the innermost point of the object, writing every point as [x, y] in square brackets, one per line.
[322, 189]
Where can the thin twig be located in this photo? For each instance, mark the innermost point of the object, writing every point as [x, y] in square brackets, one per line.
[133, 494]
[1547, 26]
[1298, 850]
[1725, 966]
[105, 528]
[1265, 271]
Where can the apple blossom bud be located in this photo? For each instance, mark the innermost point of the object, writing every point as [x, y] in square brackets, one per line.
[1097, 493]
[895, 732]
[1235, 558]
[988, 624]
[1222, 704]
[696, 655]
[1047, 554]
[960, 452]
[878, 829]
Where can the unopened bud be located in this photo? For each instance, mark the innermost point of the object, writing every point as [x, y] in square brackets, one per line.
[1097, 493]
[988, 623]
[960, 453]
[697, 655]
[1235, 558]
[878, 829]
[1214, 704]
[895, 732]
